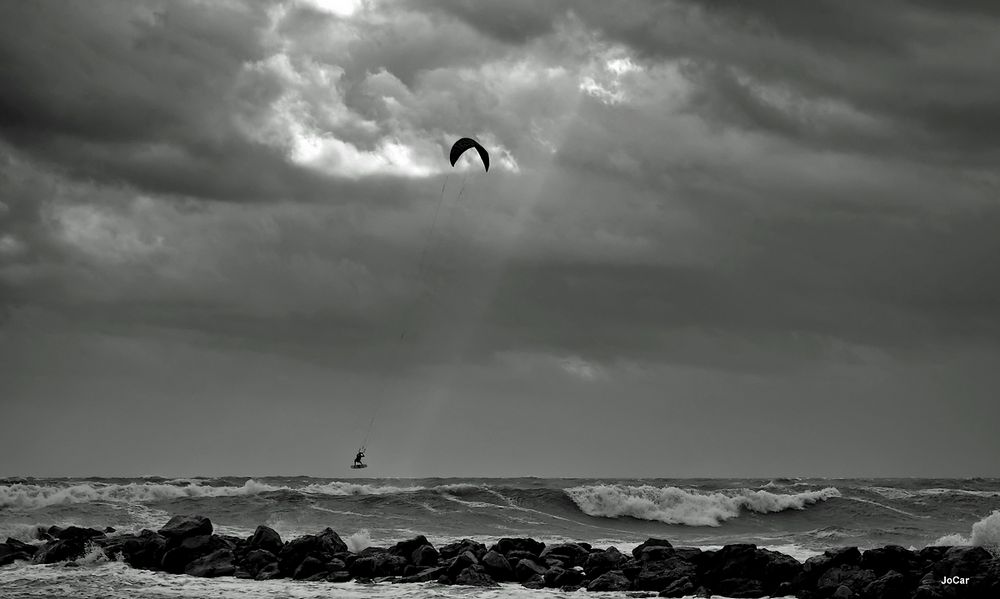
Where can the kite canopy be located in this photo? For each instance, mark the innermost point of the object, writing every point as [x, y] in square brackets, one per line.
[466, 143]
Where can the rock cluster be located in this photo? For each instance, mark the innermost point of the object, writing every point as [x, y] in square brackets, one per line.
[188, 545]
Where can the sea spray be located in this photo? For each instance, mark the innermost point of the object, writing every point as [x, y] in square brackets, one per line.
[674, 505]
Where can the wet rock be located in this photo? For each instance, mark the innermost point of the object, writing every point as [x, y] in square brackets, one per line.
[460, 563]
[11, 552]
[681, 587]
[425, 556]
[507, 544]
[650, 542]
[891, 585]
[452, 550]
[322, 547]
[527, 569]
[425, 575]
[266, 538]
[76, 533]
[843, 592]
[256, 560]
[962, 562]
[269, 572]
[179, 528]
[189, 549]
[407, 547]
[748, 567]
[853, 577]
[497, 566]
[338, 576]
[551, 575]
[891, 557]
[217, 563]
[571, 578]
[535, 582]
[571, 554]
[144, 551]
[610, 581]
[658, 575]
[475, 576]
[309, 567]
[61, 550]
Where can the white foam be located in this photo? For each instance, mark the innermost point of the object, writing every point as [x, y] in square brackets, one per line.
[31, 496]
[674, 505]
[985, 533]
[359, 540]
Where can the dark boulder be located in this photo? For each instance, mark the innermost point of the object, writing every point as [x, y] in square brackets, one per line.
[892, 585]
[179, 528]
[739, 588]
[610, 581]
[339, 576]
[258, 559]
[378, 565]
[266, 538]
[507, 544]
[175, 559]
[497, 566]
[535, 582]
[551, 575]
[962, 562]
[460, 563]
[650, 542]
[425, 575]
[570, 578]
[309, 567]
[407, 547]
[217, 563]
[363, 567]
[527, 569]
[475, 576]
[11, 553]
[61, 550]
[425, 556]
[322, 547]
[891, 557]
[571, 554]
[681, 587]
[599, 562]
[21, 546]
[853, 577]
[144, 551]
[748, 567]
[270, 571]
[658, 575]
[77, 533]
[451, 550]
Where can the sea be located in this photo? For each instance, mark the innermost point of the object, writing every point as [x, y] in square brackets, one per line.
[798, 516]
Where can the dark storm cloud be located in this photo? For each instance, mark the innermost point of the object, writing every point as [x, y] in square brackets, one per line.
[144, 94]
[151, 97]
[918, 68]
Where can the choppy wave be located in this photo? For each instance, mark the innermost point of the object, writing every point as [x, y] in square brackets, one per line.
[30, 496]
[674, 505]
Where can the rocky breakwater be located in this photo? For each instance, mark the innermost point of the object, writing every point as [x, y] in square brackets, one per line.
[188, 545]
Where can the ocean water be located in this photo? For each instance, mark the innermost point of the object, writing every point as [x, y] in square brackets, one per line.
[800, 517]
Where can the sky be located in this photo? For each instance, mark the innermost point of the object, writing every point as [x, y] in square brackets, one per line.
[716, 238]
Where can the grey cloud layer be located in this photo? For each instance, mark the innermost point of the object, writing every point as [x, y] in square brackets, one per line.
[798, 177]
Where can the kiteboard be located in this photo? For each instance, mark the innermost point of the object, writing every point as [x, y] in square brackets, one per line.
[357, 466]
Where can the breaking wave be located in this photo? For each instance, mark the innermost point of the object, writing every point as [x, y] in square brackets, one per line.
[31, 496]
[674, 505]
[985, 533]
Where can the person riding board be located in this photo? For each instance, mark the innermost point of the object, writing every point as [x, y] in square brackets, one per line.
[357, 458]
